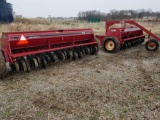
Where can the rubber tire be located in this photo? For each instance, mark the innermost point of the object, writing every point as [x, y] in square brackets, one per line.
[132, 42]
[75, 56]
[17, 67]
[87, 50]
[61, 56]
[142, 40]
[47, 58]
[22, 65]
[80, 54]
[83, 51]
[39, 61]
[91, 50]
[69, 54]
[36, 65]
[54, 57]
[28, 65]
[95, 50]
[129, 44]
[125, 46]
[12, 67]
[44, 62]
[65, 54]
[31, 61]
[156, 43]
[3, 68]
[116, 43]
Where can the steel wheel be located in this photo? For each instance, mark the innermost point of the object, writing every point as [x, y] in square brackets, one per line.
[152, 45]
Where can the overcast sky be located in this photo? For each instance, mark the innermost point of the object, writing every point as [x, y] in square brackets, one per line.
[70, 8]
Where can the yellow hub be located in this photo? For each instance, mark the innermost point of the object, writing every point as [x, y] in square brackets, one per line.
[109, 45]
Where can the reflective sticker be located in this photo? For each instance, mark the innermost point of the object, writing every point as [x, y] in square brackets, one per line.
[22, 40]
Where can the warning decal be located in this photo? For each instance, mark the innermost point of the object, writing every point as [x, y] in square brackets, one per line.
[22, 40]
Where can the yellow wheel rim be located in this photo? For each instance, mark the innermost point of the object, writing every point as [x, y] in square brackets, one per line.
[109, 45]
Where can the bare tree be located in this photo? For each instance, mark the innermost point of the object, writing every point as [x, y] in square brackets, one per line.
[118, 15]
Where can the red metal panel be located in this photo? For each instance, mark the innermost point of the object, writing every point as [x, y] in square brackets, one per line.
[48, 50]
[125, 33]
[44, 41]
[110, 23]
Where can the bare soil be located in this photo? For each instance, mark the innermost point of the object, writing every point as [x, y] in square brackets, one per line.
[125, 85]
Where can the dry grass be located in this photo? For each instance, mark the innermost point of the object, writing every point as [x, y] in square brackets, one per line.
[38, 24]
[24, 24]
[118, 86]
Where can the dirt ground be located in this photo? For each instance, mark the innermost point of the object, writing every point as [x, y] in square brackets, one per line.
[125, 85]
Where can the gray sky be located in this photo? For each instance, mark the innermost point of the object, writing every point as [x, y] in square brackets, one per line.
[70, 8]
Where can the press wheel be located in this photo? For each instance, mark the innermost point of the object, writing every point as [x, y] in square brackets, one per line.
[16, 65]
[35, 62]
[24, 66]
[95, 50]
[87, 50]
[39, 61]
[69, 54]
[28, 65]
[75, 56]
[80, 54]
[54, 58]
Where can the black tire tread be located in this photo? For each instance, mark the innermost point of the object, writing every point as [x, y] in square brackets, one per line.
[117, 44]
[152, 40]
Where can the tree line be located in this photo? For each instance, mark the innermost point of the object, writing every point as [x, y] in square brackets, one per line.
[118, 14]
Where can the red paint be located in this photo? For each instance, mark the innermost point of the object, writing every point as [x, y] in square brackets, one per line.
[19, 44]
[22, 41]
[125, 33]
